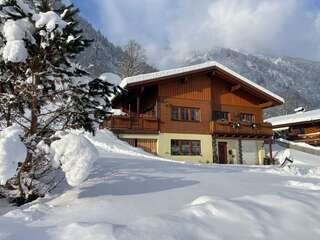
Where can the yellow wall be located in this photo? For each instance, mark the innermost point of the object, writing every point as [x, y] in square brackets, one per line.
[164, 146]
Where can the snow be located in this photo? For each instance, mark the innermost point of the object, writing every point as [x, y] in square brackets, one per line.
[298, 117]
[15, 51]
[25, 7]
[282, 155]
[12, 151]
[202, 66]
[50, 20]
[15, 32]
[118, 112]
[302, 144]
[76, 155]
[110, 78]
[134, 195]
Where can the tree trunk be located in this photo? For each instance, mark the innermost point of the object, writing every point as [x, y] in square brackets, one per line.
[25, 166]
[34, 107]
[8, 116]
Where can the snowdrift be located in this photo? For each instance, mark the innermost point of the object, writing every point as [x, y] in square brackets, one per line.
[131, 195]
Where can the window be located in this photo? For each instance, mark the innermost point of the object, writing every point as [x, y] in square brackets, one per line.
[185, 147]
[174, 113]
[194, 114]
[301, 131]
[217, 115]
[247, 117]
[185, 114]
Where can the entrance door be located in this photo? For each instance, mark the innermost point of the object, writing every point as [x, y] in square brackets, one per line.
[222, 151]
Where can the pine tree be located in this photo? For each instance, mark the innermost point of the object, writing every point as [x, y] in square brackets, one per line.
[41, 88]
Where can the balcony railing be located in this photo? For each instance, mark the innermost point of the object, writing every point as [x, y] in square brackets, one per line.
[228, 128]
[134, 123]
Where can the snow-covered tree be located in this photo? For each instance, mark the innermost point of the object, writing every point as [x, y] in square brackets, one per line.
[42, 89]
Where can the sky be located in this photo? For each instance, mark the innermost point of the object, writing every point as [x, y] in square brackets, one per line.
[181, 27]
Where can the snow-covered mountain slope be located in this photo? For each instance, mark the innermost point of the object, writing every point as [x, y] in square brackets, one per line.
[134, 195]
[102, 56]
[296, 80]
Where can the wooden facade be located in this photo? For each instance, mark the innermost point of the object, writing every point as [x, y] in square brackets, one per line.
[198, 114]
[148, 107]
[307, 132]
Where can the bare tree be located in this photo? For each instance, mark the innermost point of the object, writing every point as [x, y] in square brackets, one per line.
[133, 61]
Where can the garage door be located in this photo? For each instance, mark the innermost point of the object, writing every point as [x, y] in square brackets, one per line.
[249, 152]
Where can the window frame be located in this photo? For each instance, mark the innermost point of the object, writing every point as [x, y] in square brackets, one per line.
[184, 114]
[227, 114]
[243, 117]
[180, 143]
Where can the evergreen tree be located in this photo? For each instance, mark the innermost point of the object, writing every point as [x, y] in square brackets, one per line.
[41, 88]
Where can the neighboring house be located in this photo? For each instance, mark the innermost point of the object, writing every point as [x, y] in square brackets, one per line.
[298, 127]
[202, 113]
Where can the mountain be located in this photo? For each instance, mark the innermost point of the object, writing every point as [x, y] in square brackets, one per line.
[296, 80]
[102, 56]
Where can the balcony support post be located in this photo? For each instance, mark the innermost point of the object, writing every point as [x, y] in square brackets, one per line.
[270, 150]
[214, 149]
[240, 151]
[138, 105]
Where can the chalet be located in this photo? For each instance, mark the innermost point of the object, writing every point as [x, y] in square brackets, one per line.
[202, 113]
[298, 127]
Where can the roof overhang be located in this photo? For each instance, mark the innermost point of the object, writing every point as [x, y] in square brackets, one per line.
[236, 78]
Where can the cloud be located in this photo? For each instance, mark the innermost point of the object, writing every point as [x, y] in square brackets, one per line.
[176, 28]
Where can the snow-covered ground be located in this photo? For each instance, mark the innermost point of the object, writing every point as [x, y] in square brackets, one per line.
[131, 195]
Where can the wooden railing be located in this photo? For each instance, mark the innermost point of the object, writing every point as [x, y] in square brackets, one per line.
[133, 122]
[227, 128]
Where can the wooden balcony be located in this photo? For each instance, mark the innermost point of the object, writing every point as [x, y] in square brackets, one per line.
[225, 129]
[133, 123]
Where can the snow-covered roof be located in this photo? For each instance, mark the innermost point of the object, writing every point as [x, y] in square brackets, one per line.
[203, 66]
[299, 117]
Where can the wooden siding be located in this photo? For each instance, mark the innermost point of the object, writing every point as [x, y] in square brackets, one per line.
[311, 133]
[194, 92]
[195, 87]
[208, 94]
[133, 124]
[205, 91]
[148, 145]
[235, 102]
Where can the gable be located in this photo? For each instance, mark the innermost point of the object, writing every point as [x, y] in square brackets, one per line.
[269, 98]
[194, 86]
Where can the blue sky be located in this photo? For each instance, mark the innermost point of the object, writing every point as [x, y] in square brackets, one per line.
[179, 27]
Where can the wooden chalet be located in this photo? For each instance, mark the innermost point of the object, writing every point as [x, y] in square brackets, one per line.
[298, 127]
[204, 113]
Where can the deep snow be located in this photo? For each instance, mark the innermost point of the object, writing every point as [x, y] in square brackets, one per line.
[12, 151]
[133, 195]
[76, 156]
